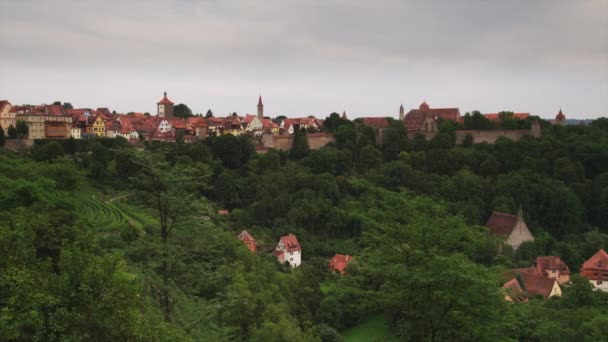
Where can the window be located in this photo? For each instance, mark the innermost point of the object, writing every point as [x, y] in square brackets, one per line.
[599, 282]
[290, 259]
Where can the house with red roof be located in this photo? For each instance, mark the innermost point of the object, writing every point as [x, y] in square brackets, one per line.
[511, 228]
[288, 250]
[290, 125]
[548, 267]
[339, 262]
[248, 240]
[596, 270]
[521, 286]
[496, 116]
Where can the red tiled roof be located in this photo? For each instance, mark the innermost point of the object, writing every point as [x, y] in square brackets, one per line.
[551, 263]
[596, 267]
[196, 121]
[376, 122]
[248, 118]
[223, 212]
[339, 262]
[177, 123]
[501, 223]
[496, 116]
[165, 100]
[537, 285]
[267, 123]
[560, 116]
[291, 243]
[3, 103]
[245, 236]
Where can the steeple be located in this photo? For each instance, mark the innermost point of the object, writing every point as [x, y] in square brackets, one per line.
[260, 108]
[344, 115]
[520, 214]
[401, 113]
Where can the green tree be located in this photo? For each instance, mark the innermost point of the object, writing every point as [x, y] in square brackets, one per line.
[369, 158]
[300, 146]
[2, 137]
[22, 129]
[170, 196]
[182, 111]
[12, 132]
[394, 140]
[48, 152]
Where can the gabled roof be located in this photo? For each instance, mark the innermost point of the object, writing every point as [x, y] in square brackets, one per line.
[501, 223]
[248, 118]
[538, 285]
[376, 122]
[596, 267]
[291, 243]
[560, 116]
[245, 236]
[177, 123]
[339, 262]
[4, 103]
[552, 263]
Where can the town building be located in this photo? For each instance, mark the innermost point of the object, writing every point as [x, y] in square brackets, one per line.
[511, 228]
[288, 250]
[248, 240]
[424, 119]
[45, 122]
[596, 270]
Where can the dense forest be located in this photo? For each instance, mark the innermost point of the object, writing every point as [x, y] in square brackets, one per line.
[104, 241]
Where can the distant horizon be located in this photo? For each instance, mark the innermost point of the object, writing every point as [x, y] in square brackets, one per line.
[309, 58]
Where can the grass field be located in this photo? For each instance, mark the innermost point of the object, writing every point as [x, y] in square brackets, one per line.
[373, 328]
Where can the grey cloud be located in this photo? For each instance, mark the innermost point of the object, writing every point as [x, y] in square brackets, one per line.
[309, 57]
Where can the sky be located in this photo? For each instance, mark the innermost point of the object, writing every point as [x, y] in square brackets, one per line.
[309, 57]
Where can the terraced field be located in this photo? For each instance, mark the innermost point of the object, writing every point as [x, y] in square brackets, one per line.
[105, 217]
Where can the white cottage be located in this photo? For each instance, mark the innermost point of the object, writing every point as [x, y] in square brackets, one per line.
[288, 250]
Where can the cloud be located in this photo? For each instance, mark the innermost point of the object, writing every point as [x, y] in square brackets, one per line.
[309, 57]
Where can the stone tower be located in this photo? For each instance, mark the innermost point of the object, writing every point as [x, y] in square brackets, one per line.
[260, 108]
[535, 129]
[165, 107]
[401, 113]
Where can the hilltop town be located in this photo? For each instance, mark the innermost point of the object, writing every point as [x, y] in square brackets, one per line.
[61, 121]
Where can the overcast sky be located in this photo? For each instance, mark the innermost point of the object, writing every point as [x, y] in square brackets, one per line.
[308, 57]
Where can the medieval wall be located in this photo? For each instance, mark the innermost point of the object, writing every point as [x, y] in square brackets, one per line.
[490, 136]
[285, 142]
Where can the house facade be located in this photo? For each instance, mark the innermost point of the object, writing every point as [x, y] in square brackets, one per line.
[288, 250]
[596, 270]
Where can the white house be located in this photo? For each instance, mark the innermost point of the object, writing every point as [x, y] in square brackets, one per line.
[596, 270]
[164, 126]
[76, 132]
[288, 250]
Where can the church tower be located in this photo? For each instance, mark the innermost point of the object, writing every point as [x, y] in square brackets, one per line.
[260, 109]
[165, 107]
[401, 113]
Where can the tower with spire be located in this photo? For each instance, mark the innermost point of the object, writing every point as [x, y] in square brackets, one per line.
[260, 108]
[164, 107]
[560, 118]
[401, 113]
[344, 115]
